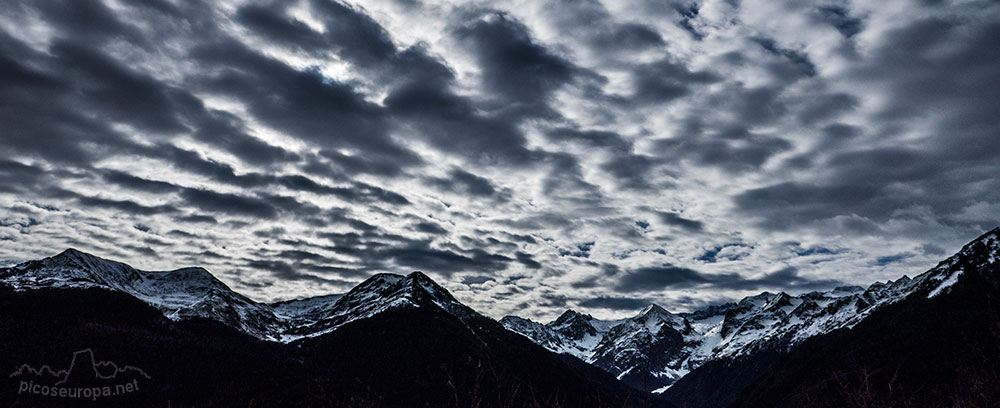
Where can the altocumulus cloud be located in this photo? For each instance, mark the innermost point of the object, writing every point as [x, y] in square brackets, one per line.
[591, 154]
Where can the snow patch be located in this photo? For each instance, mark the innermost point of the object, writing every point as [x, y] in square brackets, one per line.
[661, 390]
[946, 284]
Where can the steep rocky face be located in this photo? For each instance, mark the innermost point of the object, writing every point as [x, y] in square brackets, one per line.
[574, 326]
[646, 350]
[537, 332]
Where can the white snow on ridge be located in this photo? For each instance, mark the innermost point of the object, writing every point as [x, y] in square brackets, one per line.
[946, 284]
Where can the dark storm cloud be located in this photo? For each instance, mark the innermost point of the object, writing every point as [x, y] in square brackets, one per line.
[198, 218]
[732, 149]
[688, 15]
[663, 277]
[527, 260]
[515, 67]
[88, 20]
[477, 279]
[827, 106]
[348, 32]
[226, 131]
[110, 91]
[632, 170]
[840, 18]
[788, 278]
[885, 260]
[489, 242]
[23, 225]
[444, 261]
[453, 123]
[290, 272]
[357, 35]
[138, 183]
[592, 138]
[118, 92]
[867, 185]
[428, 227]
[192, 161]
[615, 303]
[565, 180]
[666, 80]
[272, 23]
[800, 61]
[675, 277]
[463, 182]
[127, 206]
[945, 173]
[931, 249]
[629, 36]
[298, 255]
[228, 203]
[17, 176]
[352, 164]
[674, 219]
[302, 103]
[590, 22]
[841, 131]
[421, 96]
[39, 105]
[815, 250]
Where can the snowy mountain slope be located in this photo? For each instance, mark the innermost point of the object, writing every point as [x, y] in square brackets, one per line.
[305, 308]
[375, 295]
[194, 292]
[935, 345]
[572, 333]
[179, 294]
[655, 348]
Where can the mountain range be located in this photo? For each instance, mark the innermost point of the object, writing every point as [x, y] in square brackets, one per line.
[405, 341]
[392, 341]
[655, 348]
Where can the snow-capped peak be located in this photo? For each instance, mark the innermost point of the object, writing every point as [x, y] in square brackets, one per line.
[654, 310]
[72, 268]
[375, 295]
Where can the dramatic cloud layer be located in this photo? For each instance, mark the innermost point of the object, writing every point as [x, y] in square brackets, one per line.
[532, 156]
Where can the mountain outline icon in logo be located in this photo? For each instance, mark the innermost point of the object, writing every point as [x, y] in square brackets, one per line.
[86, 377]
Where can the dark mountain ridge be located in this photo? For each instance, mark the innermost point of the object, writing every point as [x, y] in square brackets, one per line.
[392, 341]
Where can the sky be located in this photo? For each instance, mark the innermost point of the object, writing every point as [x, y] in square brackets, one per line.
[531, 156]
